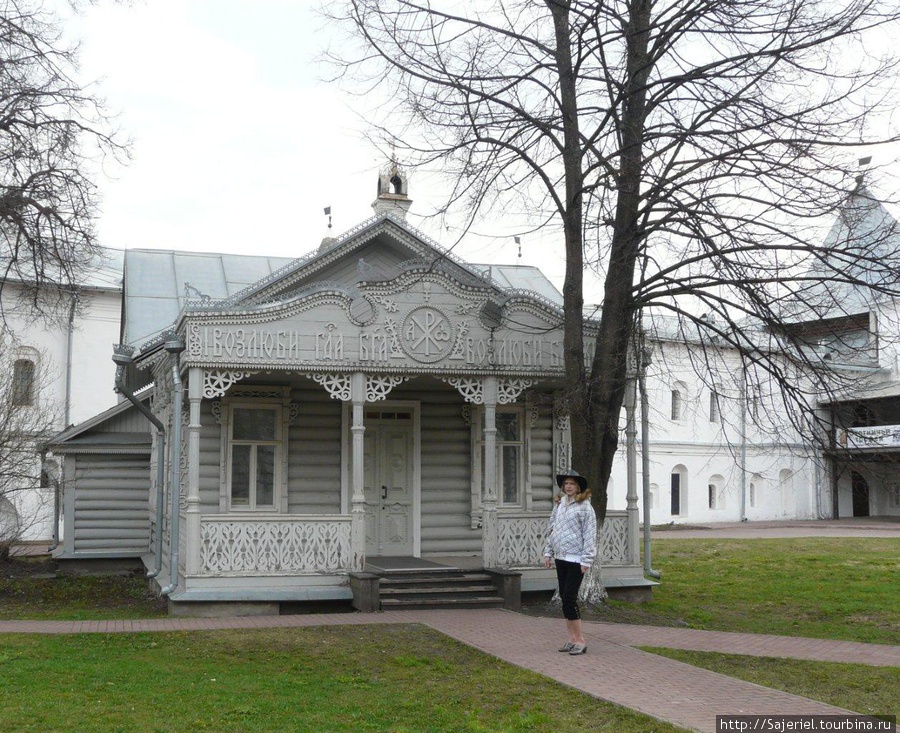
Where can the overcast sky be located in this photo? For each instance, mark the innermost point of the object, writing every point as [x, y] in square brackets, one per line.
[239, 144]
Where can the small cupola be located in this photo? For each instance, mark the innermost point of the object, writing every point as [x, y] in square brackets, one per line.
[393, 190]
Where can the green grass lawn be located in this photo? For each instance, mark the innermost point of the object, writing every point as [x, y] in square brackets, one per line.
[401, 678]
[405, 679]
[823, 587]
[857, 687]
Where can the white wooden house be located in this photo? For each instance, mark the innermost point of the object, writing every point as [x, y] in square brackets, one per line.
[376, 399]
[381, 403]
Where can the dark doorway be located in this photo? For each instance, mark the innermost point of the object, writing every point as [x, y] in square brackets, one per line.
[860, 495]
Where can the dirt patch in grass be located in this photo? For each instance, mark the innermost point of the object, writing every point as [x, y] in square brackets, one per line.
[31, 588]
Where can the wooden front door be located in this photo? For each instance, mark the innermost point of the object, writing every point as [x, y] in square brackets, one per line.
[389, 482]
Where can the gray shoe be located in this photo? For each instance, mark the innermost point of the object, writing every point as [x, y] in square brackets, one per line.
[578, 649]
[566, 647]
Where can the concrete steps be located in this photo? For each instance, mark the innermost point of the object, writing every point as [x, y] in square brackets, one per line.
[430, 589]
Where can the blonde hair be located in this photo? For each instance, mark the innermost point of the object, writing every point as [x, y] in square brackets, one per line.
[579, 497]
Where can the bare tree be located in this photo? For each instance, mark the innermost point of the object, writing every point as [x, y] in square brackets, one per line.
[26, 420]
[53, 134]
[686, 149]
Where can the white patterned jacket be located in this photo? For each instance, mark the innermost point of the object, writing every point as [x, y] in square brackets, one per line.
[572, 532]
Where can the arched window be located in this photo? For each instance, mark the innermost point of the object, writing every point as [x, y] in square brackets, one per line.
[675, 413]
[23, 382]
[786, 490]
[714, 492]
[755, 490]
[862, 416]
[714, 406]
[678, 488]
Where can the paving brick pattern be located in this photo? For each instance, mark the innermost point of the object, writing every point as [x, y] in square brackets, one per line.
[612, 669]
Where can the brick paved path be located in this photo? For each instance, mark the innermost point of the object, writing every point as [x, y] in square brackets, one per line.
[611, 670]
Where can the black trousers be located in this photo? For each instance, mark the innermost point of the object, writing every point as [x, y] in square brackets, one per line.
[569, 576]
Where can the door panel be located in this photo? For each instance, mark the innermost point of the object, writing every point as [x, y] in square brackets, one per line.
[389, 489]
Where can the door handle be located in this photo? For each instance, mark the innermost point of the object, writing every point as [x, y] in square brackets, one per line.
[384, 492]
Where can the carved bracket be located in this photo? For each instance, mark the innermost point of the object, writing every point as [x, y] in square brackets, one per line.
[378, 387]
[337, 385]
[472, 389]
[216, 382]
[508, 390]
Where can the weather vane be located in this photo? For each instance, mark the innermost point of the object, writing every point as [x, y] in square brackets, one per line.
[328, 214]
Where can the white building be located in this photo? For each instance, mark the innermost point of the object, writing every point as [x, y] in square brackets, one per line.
[62, 371]
[380, 399]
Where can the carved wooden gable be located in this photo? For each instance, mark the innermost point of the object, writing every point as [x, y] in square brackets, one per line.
[422, 320]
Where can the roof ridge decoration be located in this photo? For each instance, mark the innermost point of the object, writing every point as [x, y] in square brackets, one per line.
[369, 224]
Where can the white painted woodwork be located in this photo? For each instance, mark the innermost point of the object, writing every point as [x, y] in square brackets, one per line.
[389, 488]
[110, 508]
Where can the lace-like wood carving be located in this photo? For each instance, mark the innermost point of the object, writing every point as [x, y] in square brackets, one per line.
[337, 385]
[216, 382]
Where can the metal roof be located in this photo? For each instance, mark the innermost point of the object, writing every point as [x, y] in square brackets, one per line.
[158, 282]
[864, 233]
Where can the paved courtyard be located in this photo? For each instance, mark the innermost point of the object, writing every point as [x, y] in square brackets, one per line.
[613, 669]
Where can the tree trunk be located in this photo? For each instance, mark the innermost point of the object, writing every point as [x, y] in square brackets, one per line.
[610, 358]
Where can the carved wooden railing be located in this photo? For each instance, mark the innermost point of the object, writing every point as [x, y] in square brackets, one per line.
[521, 539]
[237, 545]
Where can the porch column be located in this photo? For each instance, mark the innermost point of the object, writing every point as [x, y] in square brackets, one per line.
[357, 478]
[631, 496]
[490, 538]
[192, 519]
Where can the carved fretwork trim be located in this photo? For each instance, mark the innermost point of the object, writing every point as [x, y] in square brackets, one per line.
[217, 412]
[259, 393]
[561, 416]
[508, 390]
[217, 381]
[378, 387]
[467, 414]
[294, 413]
[337, 385]
[472, 389]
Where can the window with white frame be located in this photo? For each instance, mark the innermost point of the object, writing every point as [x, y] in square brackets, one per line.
[254, 455]
[511, 454]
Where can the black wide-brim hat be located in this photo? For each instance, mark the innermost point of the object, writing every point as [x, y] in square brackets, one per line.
[581, 480]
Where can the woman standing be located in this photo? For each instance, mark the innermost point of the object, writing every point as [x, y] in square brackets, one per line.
[571, 543]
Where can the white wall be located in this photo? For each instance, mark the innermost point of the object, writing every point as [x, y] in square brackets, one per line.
[94, 331]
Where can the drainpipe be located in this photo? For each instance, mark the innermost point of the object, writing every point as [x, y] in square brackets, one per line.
[70, 338]
[645, 459]
[175, 346]
[122, 356]
[55, 542]
[744, 407]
